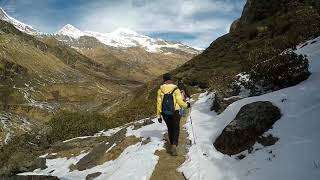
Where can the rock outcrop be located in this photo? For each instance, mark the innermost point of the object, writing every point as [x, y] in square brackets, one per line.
[251, 122]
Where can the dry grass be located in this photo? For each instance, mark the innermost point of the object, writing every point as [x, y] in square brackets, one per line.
[72, 152]
[115, 152]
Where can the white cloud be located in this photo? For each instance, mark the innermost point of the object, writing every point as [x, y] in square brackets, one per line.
[207, 19]
[147, 16]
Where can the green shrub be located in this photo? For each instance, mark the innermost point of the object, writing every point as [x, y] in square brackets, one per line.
[271, 68]
[67, 125]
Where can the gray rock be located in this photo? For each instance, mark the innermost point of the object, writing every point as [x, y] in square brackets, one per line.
[146, 141]
[267, 140]
[93, 175]
[250, 123]
[90, 160]
[234, 26]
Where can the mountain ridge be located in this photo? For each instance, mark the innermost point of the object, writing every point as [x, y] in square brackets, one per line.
[125, 38]
[19, 25]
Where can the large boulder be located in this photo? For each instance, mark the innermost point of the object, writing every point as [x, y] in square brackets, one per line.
[251, 122]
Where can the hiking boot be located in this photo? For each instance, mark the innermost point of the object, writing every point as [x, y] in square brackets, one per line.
[174, 150]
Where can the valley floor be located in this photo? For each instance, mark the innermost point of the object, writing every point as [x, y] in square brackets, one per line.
[295, 156]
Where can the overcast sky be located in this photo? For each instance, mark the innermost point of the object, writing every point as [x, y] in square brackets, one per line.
[194, 22]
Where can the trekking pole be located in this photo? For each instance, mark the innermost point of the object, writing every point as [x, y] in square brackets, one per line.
[194, 136]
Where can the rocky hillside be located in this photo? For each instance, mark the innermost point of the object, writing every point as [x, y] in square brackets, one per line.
[126, 53]
[274, 24]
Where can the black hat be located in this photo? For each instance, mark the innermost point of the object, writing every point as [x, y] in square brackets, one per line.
[167, 77]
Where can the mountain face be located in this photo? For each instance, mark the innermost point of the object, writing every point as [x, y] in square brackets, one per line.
[127, 54]
[39, 78]
[19, 25]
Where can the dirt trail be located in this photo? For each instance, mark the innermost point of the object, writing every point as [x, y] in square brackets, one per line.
[167, 165]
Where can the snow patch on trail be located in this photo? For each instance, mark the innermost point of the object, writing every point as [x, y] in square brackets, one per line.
[295, 156]
[136, 162]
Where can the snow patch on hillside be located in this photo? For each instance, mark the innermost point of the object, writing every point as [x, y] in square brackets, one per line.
[295, 156]
[136, 162]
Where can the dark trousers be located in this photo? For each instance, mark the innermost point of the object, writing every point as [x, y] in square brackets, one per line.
[173, 124]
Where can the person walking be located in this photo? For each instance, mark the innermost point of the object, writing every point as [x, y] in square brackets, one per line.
[185, 95]
[183, 90]
[169, 103]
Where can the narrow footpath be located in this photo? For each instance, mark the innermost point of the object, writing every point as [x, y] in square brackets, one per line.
[167, 165]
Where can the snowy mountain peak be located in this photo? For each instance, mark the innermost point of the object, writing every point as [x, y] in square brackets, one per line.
[19, 25]
[125, 38]
[124, 32]
[69, 30]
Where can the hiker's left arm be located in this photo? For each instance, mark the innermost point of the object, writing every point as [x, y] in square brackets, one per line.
[179, 99]
[159, 103]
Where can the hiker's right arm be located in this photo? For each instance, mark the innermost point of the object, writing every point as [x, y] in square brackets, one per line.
[159, 103]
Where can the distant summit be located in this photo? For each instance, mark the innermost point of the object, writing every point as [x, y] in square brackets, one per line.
[69, 30]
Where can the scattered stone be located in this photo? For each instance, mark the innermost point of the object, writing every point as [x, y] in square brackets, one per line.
[257, 149]
[304, 45]
[139, 125]
[51, 171]
[93, 175]
[220, 103]
[252, 121]
[268, 140]
[146, 141]
[189, 142]
[240, 157]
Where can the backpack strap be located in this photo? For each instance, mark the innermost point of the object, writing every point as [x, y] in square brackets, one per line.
[174, 90]
[171, 91]
[162, 91]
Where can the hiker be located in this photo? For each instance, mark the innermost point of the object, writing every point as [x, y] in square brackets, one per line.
[183, 90]
[169, 102]
[185, 95]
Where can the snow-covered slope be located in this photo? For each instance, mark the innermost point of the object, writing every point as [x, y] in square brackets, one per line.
[123, 37]
[19, 25]
[295, 156]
